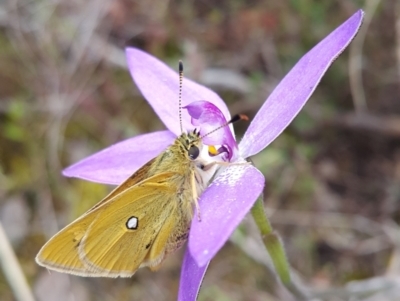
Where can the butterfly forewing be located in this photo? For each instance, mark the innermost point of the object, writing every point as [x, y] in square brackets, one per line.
[108, 247]
[140, 175]
[60, 252]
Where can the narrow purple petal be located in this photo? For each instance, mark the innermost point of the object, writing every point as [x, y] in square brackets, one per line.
[223, 206]
[116, 163]
[294, 90]
[191, 278]
[159, 84]
[208, 117]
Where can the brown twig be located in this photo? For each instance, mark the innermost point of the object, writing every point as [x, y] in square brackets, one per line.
[386, 125]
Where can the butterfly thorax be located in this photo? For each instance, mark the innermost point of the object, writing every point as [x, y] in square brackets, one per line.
[188, 159]
[185, 157]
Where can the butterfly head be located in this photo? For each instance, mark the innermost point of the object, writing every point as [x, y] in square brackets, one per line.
[191, 144]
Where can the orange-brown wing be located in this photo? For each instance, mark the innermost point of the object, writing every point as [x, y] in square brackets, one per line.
[103, 242]
[140, 175]
[60, 253]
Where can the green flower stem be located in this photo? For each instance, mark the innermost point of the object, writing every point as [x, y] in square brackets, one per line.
[260, 218]
[274, 246]
[271, 241]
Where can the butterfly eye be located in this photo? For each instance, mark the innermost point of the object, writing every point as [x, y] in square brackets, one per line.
[193, 152]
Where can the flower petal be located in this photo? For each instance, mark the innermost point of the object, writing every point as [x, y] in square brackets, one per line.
[294, 90]
[191, 278]
[208, 117]
[159, 84]
[116, 163]
[222, 206]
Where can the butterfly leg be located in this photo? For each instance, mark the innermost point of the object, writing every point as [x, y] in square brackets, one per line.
[195, 196]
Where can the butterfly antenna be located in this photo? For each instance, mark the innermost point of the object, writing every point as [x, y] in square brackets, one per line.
[180, 93]
[234, 119]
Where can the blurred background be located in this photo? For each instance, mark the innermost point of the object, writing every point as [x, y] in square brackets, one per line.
[332, 177]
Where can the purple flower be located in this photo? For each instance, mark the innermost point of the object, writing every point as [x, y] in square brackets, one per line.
[232, 194]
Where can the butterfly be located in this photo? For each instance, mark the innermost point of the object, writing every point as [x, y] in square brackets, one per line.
[141, 221]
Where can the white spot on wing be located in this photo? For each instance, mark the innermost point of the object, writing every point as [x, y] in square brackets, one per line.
[132, 223]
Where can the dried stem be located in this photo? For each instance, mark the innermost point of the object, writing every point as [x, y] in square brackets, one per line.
[12, 270]
[355, 60]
